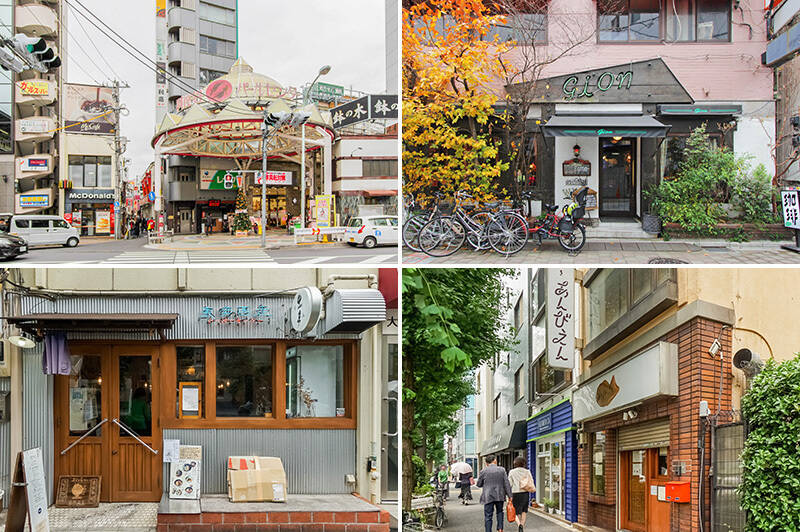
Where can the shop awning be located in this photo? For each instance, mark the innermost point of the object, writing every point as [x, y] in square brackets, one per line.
[511, 438]
[699, 109]
[604, 126]
[33, 323]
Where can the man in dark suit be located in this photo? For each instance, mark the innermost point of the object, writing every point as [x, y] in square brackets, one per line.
[496, 487]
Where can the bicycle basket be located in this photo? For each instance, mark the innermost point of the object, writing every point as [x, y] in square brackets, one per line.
[566, 225]
[446, 207]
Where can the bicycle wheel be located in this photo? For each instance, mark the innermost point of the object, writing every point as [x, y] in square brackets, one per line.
[411, 231]
[573, 240]
[508, 233]
[440, 519]
[478, 238]
[441, 237]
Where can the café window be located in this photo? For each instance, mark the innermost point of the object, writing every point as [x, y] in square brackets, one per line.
[672, 151]
[315, 381]
[89, 171]
[598, 476]
[244, 381]
[615, 291]
[190, 363]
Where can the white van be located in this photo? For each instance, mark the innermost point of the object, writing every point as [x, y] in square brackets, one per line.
[44, 230]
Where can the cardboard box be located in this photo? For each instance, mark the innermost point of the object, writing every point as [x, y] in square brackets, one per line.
[256, 478]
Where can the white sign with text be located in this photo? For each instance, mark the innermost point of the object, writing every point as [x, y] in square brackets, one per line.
[561, 318]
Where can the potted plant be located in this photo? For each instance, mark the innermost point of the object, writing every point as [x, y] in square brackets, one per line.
[651, 218]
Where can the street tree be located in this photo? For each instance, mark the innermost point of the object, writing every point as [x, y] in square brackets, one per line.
[454, 320]
[449, 64]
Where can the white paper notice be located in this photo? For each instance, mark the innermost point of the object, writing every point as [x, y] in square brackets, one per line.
[662, 493]
[637, 469]
[653, 490]
[191, 399]
[171, 450]
[277, 492]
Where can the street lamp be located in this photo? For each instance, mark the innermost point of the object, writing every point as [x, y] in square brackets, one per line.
[322, 71]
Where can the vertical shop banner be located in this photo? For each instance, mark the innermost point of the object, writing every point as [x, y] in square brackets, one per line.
[161, 59]
[87, 109]
[323, 210]
[561, 318]
[790, 199]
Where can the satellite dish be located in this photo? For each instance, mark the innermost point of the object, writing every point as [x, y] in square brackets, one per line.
[748, 361]
[306, 308]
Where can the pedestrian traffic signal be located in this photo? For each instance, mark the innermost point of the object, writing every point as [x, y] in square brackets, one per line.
[36, 53]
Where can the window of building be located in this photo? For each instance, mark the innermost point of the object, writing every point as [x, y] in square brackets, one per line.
[379, 168]
[598, 449]
[518, 314]
[683, 20]
[672, 150]
[524, 28]
[190, 364]
[518, 386]
[244, 381]
[315, 381]
[90, 171]
[469, 431]
[496, 408]
[6, 85]
[207, 76]
[219, 47]
[614, 291]
[549, 378]
[538, 289]
[217, 14]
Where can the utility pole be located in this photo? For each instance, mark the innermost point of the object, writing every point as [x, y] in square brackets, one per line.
[264, 150]
[117, 162]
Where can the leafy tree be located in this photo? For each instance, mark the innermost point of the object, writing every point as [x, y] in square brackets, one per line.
[449, 63]
[454, 320]
[770, 490]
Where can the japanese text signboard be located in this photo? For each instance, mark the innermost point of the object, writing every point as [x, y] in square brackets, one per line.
[561, 318]
[373, 107]
[790, 199]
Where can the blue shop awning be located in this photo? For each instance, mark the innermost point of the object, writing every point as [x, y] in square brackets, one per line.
[604, 126]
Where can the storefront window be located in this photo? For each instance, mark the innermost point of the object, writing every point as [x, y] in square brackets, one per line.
[315, 381]
[244, 381]
[598, 475]
[190, 363]
[85, 400]
[90, 171]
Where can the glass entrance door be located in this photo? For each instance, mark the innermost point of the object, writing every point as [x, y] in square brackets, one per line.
[550, 472]
[389, 442]
[617, 177]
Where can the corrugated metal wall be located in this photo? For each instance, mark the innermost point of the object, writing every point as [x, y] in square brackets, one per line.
[189, 324]
[5, 448]
[316, 461]
[37, 411]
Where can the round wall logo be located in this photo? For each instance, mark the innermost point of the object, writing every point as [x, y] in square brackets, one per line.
[219, 90]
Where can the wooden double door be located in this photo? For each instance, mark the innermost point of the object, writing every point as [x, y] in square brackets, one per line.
[643, 472]
[106, 420]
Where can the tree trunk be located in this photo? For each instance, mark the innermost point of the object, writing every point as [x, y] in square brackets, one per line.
[408, 444]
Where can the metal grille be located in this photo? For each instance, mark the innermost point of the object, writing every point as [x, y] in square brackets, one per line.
[727, 515]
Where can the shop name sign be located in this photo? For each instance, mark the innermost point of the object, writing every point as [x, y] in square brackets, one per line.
[237, 316]
[365, 108]
[35, 164]
[34, 88]
[604, 82]
[790, 199]
[88, 194]
[274, 178]
[651, 373]
[34, 200]
[561, 318]
[32, 125]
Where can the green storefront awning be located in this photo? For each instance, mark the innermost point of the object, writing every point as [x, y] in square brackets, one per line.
[604, 126]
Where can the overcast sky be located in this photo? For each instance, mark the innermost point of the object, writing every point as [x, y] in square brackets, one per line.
[286, 40]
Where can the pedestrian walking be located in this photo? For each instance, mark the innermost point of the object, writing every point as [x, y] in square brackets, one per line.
[496, 488]
[443, 480]
[462, 471]
[521, 488]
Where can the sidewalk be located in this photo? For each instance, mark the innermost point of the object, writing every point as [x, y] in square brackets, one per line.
[225, 242]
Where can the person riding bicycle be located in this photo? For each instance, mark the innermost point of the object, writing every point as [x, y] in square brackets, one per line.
[443, 481]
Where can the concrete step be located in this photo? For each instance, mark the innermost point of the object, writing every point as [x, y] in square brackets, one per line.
[619, 230]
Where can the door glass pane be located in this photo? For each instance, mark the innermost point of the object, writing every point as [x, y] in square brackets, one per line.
[135, 395]
[244, 381]
[190, 361]
[636, 488]
[555, 472]
[84, 395]
[315, 381]
[392, 448]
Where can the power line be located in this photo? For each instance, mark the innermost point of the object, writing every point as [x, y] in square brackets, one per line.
[82, 49]
[99, 53]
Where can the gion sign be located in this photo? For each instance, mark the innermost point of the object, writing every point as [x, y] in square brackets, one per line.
[236, 316]
[372, 107]
[561, 318]
[574, 88]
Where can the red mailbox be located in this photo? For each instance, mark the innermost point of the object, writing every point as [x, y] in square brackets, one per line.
[679, 491]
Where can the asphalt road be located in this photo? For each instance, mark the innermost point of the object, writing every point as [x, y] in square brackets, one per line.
[134, 252]
[470, 518]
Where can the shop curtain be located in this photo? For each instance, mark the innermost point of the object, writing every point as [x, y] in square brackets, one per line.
[56, 360]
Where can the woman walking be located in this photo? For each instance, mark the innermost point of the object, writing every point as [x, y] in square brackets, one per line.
[521, 488]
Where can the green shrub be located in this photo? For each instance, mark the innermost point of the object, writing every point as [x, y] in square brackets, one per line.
[752, 193]
[420, 472]
[770, 490]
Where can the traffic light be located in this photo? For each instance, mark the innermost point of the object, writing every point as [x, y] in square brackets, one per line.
[299, 118]
[276, 120]
[36, 52]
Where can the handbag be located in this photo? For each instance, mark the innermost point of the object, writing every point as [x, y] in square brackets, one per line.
[510, 512]
[472, 480]
[527, 484]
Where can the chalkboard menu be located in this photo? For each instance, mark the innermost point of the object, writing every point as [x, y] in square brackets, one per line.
[576, 167]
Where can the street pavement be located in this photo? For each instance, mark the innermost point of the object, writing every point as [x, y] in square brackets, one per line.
[213, 250]
[625, 252]
[469, 518]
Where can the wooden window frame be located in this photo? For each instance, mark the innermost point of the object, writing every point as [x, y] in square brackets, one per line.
[278, 419]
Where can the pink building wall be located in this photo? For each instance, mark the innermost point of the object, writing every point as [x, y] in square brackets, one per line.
[730, 71]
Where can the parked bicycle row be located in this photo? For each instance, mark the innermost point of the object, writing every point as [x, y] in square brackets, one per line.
[443, 228]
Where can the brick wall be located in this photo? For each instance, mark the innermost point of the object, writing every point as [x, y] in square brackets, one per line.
[377, 521]
[698, 379]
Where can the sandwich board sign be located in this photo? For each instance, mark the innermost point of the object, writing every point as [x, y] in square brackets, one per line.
[28, 493]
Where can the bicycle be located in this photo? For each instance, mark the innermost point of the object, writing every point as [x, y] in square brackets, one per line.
[415, 222]
[567, 228]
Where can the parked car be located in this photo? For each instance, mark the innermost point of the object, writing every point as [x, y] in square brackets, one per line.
[371, 231]
[11, 246]
[44, 230]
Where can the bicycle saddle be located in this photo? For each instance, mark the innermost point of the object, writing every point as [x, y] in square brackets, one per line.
[550, 208]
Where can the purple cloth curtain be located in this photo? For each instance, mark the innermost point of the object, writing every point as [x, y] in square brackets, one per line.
[55, 360]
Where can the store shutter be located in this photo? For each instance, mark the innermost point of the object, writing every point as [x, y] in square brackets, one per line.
[645, 435]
